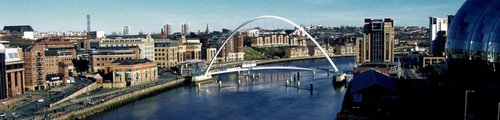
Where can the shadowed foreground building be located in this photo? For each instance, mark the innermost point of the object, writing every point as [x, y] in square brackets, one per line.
[467, 87]
[473, 57]
[474, 37]
[370, 94]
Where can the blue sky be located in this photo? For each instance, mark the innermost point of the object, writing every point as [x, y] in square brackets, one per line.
[148, 16]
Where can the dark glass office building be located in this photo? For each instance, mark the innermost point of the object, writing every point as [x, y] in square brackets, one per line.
[474, 37]
[378, 41]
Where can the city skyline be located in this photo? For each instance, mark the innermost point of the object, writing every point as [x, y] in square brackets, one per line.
[149, 17]
[235, 59]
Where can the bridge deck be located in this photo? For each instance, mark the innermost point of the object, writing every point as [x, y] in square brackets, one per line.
[266, 68]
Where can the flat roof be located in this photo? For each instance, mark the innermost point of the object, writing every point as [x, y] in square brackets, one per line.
[131, 61]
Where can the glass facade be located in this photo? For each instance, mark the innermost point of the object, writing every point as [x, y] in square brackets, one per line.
[474, 34]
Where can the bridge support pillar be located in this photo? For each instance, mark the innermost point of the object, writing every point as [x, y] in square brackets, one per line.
[298, 75]
[220, 84]
[287, 83]
[199, 86]
[298, 84]
[239, 82]
[314, 74]
[311, 87]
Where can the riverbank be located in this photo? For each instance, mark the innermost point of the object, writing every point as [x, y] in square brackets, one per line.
[121, 100]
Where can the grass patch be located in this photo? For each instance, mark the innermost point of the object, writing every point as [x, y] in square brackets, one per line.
[252, 54]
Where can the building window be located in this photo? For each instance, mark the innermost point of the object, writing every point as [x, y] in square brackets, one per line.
[137, 77]
[118, 76]
[387, 46]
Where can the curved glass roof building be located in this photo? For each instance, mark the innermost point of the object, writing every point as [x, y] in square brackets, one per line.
[474, 34]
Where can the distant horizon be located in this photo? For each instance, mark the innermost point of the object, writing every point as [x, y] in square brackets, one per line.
[148, 17]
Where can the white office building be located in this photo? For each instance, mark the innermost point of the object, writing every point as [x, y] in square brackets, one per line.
[145, 43]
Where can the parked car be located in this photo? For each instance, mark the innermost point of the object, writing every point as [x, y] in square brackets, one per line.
[2, 114]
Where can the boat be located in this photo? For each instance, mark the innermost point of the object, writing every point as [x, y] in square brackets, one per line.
[248, 64]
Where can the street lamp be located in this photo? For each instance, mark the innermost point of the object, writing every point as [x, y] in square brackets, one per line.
[498, 114]
[465, 108]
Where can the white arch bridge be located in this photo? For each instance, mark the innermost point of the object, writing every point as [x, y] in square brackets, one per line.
[207, 75]
[230, 70]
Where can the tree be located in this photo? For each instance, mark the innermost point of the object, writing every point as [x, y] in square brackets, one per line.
[81, 65]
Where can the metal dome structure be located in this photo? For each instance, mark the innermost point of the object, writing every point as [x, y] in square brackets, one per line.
[474, 34]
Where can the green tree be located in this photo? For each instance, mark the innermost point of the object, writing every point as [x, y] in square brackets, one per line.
[81, 65]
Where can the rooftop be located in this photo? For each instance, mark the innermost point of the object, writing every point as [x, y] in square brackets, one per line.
[369, 78]
[57, 52]
[112, 50]
[126, 36]
[131, 61]
[18, 28]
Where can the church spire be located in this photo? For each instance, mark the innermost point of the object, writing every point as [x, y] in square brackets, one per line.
[206, 30]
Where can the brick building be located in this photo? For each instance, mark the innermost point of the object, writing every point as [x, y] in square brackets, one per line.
[46, 60]
[130, 72]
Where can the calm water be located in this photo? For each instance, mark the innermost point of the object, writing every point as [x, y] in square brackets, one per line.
[264, 98]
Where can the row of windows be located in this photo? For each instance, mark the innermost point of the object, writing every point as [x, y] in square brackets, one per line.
[163, 50]
[103, 59]
[120, 45]
[162, 54]
[13, 56]
[15, 66]
[164, 58]
[98, 64]
[122, 40]
[167, 64]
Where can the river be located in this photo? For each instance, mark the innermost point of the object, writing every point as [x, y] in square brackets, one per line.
[264, 97]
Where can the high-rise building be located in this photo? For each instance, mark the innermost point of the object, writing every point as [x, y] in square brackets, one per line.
[126, 30]
[438, 28]
[166, 30]
[184, 28]
[378, 41]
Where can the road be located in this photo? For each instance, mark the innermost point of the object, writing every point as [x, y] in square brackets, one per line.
[96, 97]
[48, 96]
